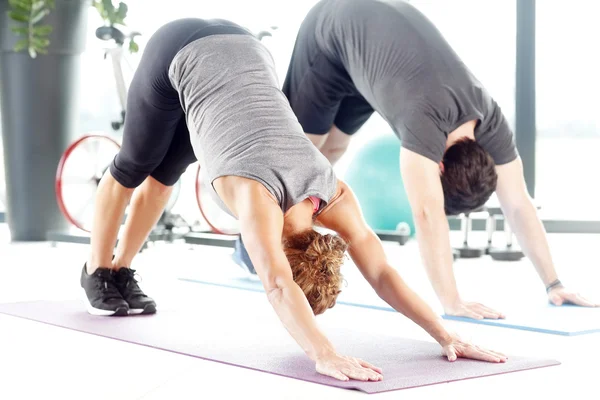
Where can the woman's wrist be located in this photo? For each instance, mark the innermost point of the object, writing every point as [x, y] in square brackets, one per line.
[321, 352]
[439, 332]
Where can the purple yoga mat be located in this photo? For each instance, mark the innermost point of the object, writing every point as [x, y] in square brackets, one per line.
[252, 337]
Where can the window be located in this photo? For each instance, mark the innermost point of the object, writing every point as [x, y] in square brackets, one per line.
[568, 118]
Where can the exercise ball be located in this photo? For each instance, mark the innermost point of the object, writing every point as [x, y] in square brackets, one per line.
[374, 176]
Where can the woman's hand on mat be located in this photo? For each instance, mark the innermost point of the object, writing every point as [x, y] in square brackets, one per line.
[561, 295]
[472, 310]
[458, 348]
[346, 368]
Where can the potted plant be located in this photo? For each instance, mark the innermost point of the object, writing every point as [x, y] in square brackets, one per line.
[40, 46]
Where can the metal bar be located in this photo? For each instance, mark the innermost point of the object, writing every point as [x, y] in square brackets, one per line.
[210, 239]
[525, 124]
[551, 226]
[392, 236]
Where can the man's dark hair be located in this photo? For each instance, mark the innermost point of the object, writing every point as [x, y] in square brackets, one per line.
[469, 177]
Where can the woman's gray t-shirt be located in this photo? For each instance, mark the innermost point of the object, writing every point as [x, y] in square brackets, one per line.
[241, 124]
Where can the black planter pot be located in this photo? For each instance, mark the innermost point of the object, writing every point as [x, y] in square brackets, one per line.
[39, 117]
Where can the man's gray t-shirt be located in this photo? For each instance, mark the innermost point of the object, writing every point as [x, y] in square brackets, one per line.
[241, 124]
[390, 55]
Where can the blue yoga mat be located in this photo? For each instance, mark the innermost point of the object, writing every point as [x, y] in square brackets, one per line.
[565, 320]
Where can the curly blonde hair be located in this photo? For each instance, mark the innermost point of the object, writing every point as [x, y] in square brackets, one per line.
[316, 261]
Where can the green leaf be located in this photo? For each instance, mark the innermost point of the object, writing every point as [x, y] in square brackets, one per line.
[20, 30]
[23, 4]
[122, 11]
[109, 8]
[40, 42]
[21, 9]
[19, 17]
[42, 30]
[37, 17]
[133, 47]
[21, 45]
[38, 5]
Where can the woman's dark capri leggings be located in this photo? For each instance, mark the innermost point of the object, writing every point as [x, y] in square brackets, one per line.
[156, 140]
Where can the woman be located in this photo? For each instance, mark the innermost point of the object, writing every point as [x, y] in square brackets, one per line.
[217, 80]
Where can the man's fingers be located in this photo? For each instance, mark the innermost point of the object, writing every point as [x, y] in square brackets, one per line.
[473, 314]
[556, 300]
[490, 315]
[489, 312]
[580, 301]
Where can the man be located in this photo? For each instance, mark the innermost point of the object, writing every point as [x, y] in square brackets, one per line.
[355, 57]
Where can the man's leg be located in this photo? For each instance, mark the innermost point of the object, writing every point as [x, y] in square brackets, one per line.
[335, 144]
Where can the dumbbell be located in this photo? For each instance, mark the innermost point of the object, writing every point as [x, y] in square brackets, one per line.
[467, 251]
[506, 253]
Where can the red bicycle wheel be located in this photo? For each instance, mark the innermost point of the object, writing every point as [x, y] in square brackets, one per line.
[218, 220]
[79, 172]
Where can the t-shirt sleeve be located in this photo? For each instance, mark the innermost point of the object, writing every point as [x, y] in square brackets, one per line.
[496, 137]
[421, 135]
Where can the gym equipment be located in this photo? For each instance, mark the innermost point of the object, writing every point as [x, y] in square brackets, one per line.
[466, 250]
[79, 172]
[213, 333]
[219, 221]
[374, 176]
[507, 253]
[566, 320]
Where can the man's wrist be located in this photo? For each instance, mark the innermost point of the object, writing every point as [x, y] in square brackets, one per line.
[553, 285]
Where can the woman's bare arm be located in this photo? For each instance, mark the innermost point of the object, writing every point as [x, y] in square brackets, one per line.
[261, 223]
[345, 217]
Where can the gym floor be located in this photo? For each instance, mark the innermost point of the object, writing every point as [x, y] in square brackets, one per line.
[42, 361]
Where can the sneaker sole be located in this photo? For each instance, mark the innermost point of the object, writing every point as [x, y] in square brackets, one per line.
[148, 309]
[119, 312]
[251, 275]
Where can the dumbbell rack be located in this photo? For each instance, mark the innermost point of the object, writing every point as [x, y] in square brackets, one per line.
[508, 252]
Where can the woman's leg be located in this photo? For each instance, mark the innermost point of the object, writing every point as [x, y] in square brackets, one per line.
[149, 200]
[152, 116]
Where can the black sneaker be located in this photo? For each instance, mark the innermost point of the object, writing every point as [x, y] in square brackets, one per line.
[101, 294]
[138, 302]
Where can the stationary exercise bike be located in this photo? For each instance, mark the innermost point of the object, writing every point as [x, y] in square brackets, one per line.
[86, 160]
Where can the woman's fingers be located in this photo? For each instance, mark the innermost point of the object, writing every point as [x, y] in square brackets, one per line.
[369, 365]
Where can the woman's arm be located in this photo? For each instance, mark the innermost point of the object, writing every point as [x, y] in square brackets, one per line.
[345, 217]
[261, 223]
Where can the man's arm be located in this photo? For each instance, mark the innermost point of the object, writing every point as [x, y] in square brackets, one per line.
[367, 252]
[422, 183]
[521, 213]
[261, 224]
